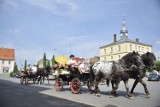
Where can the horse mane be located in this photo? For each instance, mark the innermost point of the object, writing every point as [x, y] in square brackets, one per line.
[126, 60]
[147, 57]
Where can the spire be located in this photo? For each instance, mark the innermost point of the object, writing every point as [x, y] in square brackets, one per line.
[124, 31]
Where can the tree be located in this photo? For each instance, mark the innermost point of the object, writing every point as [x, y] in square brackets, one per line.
[48, 63]
[44, 60]
[158, 65]
[25, 65]
[53, 61]
[15, 68]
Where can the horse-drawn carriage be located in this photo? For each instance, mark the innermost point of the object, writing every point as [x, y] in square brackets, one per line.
[28, 75]
[72, 78]
[66, 76]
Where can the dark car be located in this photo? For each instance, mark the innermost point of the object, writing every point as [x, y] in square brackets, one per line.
[153, 76]
[16, 75]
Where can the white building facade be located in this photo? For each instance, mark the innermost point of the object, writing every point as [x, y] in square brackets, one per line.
[7, 60]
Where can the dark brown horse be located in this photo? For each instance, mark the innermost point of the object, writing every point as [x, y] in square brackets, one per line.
[137, 72]
[149, 61]
[129, 66]
[115, 71]
[42, 73]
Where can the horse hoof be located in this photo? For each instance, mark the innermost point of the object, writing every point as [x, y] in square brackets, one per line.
[130, 97]
[98, 95]
[112, 96]
[147, 95]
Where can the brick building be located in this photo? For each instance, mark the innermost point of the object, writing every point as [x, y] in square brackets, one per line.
[7, 59]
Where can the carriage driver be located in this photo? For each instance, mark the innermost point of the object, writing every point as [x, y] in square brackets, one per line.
[73, 64]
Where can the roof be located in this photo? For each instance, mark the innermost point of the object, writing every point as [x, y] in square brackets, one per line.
[7, 54]
[125, 41]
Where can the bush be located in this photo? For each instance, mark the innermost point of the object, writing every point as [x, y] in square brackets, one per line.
[11, 74]
[158, 65]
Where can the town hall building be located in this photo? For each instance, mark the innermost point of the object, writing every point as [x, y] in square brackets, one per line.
[117, 49]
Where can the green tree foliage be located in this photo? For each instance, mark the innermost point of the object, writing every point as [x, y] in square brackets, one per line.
[15, 68]
[25, 65]
[44, 60]
[48, 63]
[158, 65]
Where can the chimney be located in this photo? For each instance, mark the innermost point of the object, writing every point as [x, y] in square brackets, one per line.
[137, 39]
[115, 38]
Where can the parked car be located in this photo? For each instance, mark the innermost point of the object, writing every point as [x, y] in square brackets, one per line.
[16, 75]
[153, 76]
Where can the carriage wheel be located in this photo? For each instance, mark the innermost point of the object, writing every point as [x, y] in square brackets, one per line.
[59, 84]
[91, 86]
[75, 85]
[21, 80]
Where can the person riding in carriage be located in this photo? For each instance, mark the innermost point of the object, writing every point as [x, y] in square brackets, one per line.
[81, 65]
[73, 64]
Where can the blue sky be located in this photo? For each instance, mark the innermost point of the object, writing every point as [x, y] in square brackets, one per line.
[57, 27]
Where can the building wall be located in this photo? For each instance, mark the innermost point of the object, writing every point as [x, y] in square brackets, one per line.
[7, 57]
[40, 63]
[6, 66]
[116, 51]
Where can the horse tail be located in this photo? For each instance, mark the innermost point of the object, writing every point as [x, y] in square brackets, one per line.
[108, 81]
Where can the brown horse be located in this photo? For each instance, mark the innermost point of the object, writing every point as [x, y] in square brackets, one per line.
[114, 71]
[42, 73]
[149, 61]
[129, 66]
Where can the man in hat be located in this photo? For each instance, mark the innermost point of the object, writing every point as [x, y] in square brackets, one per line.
[72, 63]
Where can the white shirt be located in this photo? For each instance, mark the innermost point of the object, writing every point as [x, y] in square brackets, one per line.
[71, 62]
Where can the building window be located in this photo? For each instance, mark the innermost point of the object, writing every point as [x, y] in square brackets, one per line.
[139, 48]
[119, 48]
[147, 49]
[9, 62]
[2, 61]
[135, 48]
[142, 49]
[111, 49]
[5, 70]
[119, 57]
[104, 51]
[130, 47]
[111, 58]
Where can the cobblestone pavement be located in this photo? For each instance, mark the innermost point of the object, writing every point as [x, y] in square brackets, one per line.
[140, 100]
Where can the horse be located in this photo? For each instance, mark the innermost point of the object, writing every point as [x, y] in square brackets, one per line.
[99, 71]
[138, 73]
[114, 71]
[149, 61]
[26, 76]
[42, 73]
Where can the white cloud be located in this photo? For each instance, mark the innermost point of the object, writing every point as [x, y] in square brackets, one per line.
[158, 41]
[16, 30]
[58, 7]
